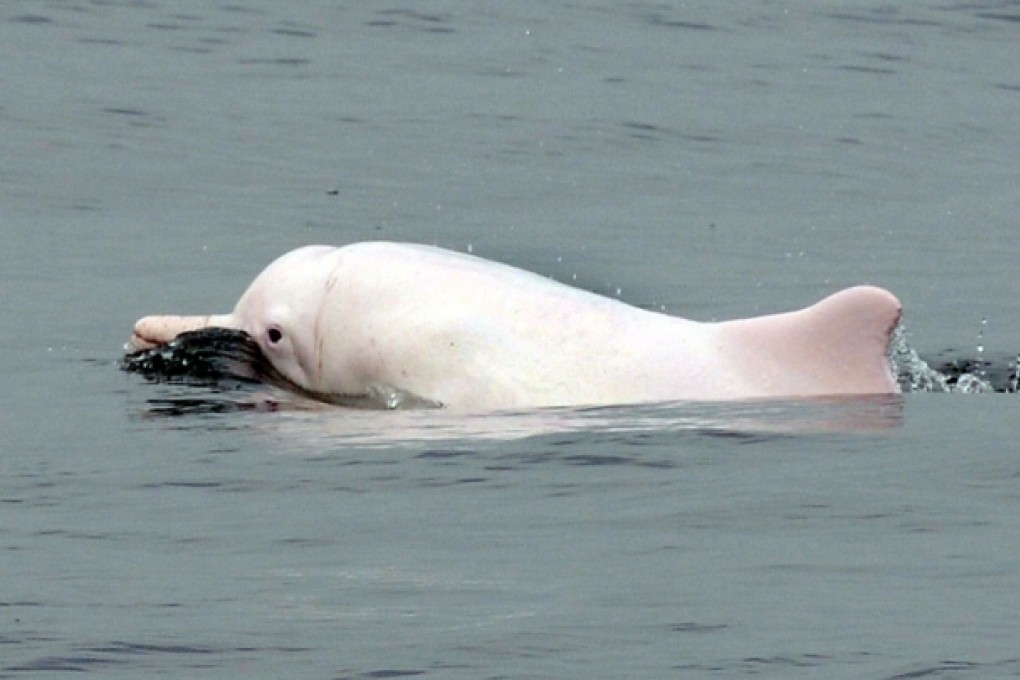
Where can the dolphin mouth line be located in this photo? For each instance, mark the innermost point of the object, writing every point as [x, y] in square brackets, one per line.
[139, 343]
[214, 355]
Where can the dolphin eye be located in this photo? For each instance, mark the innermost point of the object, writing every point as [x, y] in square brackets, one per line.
[274, 334]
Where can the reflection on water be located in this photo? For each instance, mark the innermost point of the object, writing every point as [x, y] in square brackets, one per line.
[310, 419]
[748, 421]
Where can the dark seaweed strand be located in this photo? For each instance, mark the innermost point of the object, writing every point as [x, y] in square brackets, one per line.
[207, 354]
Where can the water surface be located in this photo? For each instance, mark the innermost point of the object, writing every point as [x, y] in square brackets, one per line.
[711, 161]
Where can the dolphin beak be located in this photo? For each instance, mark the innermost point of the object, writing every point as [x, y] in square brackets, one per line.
[153, 331]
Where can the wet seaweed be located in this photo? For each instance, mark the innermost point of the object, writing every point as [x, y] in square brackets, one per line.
[206, 357]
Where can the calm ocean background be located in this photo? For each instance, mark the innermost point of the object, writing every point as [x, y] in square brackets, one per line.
[714, 160]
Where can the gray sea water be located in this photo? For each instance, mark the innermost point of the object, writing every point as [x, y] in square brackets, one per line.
[715, 160]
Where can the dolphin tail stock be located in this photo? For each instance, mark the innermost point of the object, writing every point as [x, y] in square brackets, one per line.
[839, 345]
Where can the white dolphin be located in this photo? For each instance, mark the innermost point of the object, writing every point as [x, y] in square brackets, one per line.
[474, 335]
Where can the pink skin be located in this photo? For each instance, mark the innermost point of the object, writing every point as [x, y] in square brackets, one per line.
[476, 335]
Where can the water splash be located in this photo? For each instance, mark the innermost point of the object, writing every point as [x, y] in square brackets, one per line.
[951, 374]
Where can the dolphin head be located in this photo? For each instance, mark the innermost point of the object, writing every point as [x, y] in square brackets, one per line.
[280, 312]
